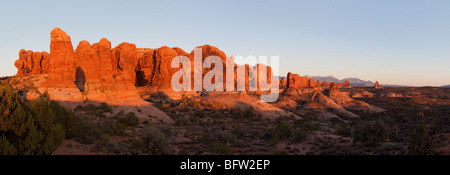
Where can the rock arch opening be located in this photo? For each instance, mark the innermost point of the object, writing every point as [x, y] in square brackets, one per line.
[140, 79]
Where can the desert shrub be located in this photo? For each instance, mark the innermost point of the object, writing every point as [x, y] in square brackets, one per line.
[104, 107]
[299, 136]
[119, 129]
[155, 140]
[281, 152]
[370, 132]
[183, 152]
[25, 130]
[342, 130]
[249, 113]
[219, 148]
[90, 109]
[193, 119]
[103, 140]
[307, 125]
[337, 121]
[93, 110]
[179, 119]
[193, 103]
[218, 135]
[238, 132]
[118, 148]
[183, 100]
[281, 131]
[72, 123]
[135, 144]
[387, 148]
[238, 114]
[421, 142]
[89, 132]
[200, 113]
[129, 120]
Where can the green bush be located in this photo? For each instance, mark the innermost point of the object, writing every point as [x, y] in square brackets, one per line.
[129, 120]
[249, 113]
[370, 132]
[238, 132]
[421, 142]
[72, 123]
[200, 113]
[89, 132]
[219, 148]
[155, 140]
[218, 135]
[119, 129]
[104, 107]
[343, 131]
[238, 114]
[25, 130]
[281, 131]
[179, 120]
[281, 152]
[93, 110]
[299, 136]
[308, 125]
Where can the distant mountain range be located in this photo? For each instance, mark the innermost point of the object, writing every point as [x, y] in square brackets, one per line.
[446, 86]
[353, 81]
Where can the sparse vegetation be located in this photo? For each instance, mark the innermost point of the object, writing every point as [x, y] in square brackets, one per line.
[281, 152]
[27, 130]
[129, 120]
[219, 148]
[282, 131]
[422, 142]
[72, 123]
[155, 140]
[208, 128]
[370, 132]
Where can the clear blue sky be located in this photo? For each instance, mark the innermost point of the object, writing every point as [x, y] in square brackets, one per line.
[394, 41]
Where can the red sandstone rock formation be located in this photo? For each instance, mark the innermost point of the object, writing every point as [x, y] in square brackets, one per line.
[267, 76]
[377, 85]
[30, 62]
[326, 84]
[62, 65]
[162, 74]
[20, 65]
[346, 83]
[311, 83]
[207, 51]
[98, 68]
[334, 91]
[180, 51]
[103, 49]
[283, 83]
[37, 59]
[319, 84]
[45, 62]
[124, 62]
[88, 67]
[295, 81]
